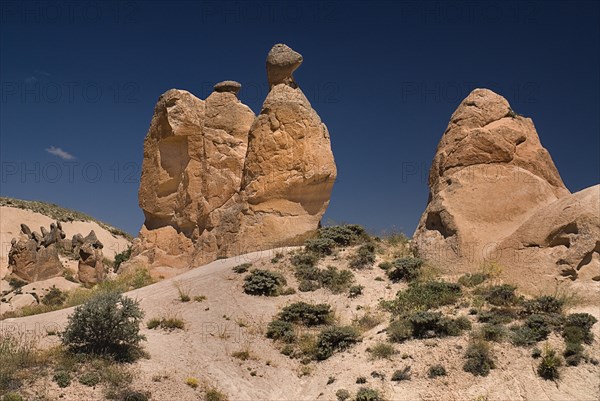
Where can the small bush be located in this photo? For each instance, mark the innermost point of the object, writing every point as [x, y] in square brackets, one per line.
[536, 328]
[336, 281]
[342, 394]
[304, 260]
[543, 304]
[361, 380]
[472, 280]
[382, 351]
[355, 291]
[132, 395]
[401, 375]
[192, 382]
[385, 266]
[478, 359]
[497, 316]
[334, 339]
[263, 282]
[308, 286]
[343, 235]
[200, 298]
[573, 353]
[493, 332]
[577, 328]
[536, 353]
[399, 331]
[12, 397]
[90, 379]
[367, 321]
[436, 371]
[501, 295]
[548, 367]
[214, 394]
[62, 379]
[54, 297]
[166, 323]
[320, 246]
[281, 330]
[107, 323]
[424, 296]
[121, 258]
[405, 269]
[368, 394]
[364, 256]
[306, 314]
[243, 268]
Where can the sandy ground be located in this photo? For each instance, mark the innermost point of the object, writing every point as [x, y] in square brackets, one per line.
[213, 331]
[10, 226]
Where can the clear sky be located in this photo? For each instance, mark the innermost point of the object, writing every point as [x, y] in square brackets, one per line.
[80, 80]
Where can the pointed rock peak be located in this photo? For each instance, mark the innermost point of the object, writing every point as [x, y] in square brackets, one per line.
[481, 107]
[228, 86]
[282, 61]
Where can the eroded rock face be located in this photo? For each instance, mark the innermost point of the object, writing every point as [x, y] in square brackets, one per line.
[218, 181]
[565, 233]
[90, 269]
[34, 257]
[490, 173]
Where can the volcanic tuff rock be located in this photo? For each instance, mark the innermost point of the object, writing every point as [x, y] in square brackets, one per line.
[495, 194]
[218, 181]
[34, 256]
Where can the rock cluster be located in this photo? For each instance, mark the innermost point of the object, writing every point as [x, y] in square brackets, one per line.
[34, 256]
[495, 191]
[218, 181]
[90, 269]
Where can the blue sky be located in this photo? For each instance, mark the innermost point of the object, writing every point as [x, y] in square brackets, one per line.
[80, 80]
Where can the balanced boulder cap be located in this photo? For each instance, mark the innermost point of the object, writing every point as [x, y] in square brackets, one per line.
[219, 181]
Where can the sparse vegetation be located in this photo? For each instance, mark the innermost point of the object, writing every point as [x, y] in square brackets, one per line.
[381, 350]
[54, 297]
[436, 371]
[501, 295]
[106, 324]
[404, 269]
[121, 257]
[479, 360]
[342, 394]
[368, 394]
[263, 282]
[364, 256]
[424, 296]
[62, 378]
[367, 321]
[493, 332]
[320, 246]
[306, 314]
[355, 291]
[192, 382]
[166, 323]
[543, 304]
[401, 374]
[548, 367]
[243, 268]
[281, 330]
[335, 338]
[473, 279]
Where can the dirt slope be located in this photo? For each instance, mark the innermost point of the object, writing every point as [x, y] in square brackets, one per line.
[213, 331]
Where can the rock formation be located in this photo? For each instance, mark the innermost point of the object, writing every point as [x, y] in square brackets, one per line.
[90, 269]
[495, 194]
[34, 257]
[218, 181]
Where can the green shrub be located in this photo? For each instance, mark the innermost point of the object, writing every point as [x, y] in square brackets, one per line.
[577, 328]
[306, 314]
[320, 246]
[536, 353]
[243, 268]
[334, 339]
[368, 394]
[132, 395]
[367, 321]
[497, 316]
[399, 331]
[355, 290]
[573, 353]
[263, 282]
[364, 256]
[548, 367]
[425, 323]
[343, 235]
[381, 351]
[473, 280]
[543, 304]
[385, 266]
[62, 379]
[501, 295]
[493, 332]
[166, 323]
[436, 371]
[342, 394]
[121, 258]
[424, 296]
[361, 380]
[308, 286]
[478, 359]
[54, 297]
[12, 397]
[406, 269]
[304, 260]
[401, 375]
[90, 379]
[336, 281]
[107, 323]
[281, 330]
